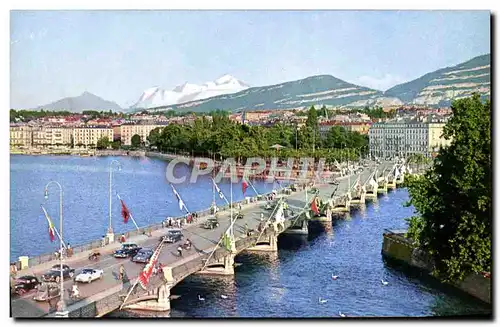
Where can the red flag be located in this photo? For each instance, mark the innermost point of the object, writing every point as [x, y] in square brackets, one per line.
[51, 225]
[314, 207]
[148, 269]
[125, 212]
[244, 186]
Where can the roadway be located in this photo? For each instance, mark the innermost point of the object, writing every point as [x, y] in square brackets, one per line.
[203, 241]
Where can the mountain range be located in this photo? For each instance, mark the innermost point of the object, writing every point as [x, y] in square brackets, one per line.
[85, 101]
[155, 97]
[434, 89]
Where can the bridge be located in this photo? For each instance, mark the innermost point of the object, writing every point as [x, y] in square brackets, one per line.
[205, 257]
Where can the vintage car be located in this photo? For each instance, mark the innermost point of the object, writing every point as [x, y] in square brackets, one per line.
[127, 250]
[143, 255]
[211, 223]
[54, 274]
[172, 236]
[88, 275]
[46, 291]
[25, 284]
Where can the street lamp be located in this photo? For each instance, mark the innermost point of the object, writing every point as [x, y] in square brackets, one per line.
[110, 228]
[61, 306]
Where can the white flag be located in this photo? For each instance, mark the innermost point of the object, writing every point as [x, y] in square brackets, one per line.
[221, 195]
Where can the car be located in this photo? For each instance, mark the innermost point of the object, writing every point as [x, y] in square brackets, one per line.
[88, 275]
[143, 256]
[127, 250]
[47, 291]
[211, 223]
[172, 236]
[54, 274]
[25, 284]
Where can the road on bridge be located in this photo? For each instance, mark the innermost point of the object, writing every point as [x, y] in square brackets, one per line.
[202, 239]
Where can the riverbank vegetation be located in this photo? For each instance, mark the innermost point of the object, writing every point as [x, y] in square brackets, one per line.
[225, 138]
[453, 198]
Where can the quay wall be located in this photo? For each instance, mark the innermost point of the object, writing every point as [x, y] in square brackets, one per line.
[398, 247]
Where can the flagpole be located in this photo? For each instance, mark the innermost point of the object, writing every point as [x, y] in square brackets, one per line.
[130, 292]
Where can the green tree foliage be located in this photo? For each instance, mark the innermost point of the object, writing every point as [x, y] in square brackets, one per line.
[103, 143]
[453, 198]
[116, 144]
[136, 141]
[225, 138]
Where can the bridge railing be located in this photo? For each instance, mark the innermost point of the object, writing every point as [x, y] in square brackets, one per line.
[96, 244]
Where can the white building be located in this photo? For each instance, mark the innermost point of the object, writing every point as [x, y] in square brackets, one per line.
[403, 137]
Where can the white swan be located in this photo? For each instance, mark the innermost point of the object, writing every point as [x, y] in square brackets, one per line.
[320, 300]
[334, 277]
[223, 296]
[201, 298]
[341, 314]
[384, 282]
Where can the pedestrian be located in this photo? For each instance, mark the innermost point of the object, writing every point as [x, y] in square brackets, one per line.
[169, 222]
[103, 241]
[246, 229]
[261, 216]
[179, 251]
[121, 272]
[122, 238]
[160, 268]
[75, 291]
[239, 206]
[155, 271]
[69, 251]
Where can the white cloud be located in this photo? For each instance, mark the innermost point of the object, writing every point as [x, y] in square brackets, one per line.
[380, 83]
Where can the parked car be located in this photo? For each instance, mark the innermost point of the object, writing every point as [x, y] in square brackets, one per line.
[54, 274]
[25, 284]
[127, 250]
[172, 236]
[211, 223]
[143, 256]
[47, 291]
[88, 275]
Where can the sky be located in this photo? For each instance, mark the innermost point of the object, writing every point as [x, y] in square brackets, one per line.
[118, 54]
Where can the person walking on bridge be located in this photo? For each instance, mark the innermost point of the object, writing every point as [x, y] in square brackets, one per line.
[121, 272]
[179, 251]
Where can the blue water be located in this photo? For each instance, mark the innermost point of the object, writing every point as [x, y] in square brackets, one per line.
[85, 180]
[283, 284]
[290, 282]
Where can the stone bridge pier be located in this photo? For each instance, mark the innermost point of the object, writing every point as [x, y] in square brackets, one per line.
[342, 203]
[157, 299]
[359, 196]
[223, 265]
[267, 243]
[382, 185]
[299, 227]
[371, 191]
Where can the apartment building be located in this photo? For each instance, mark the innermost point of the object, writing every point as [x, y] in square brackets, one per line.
[52, 136]
[90, 135]
[21, 135]
[403, 137]
[129, 130]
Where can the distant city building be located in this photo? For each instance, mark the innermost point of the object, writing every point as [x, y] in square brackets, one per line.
[127, 131]
[21, 135]
[90, 135]
[403, 137]
[51, 136]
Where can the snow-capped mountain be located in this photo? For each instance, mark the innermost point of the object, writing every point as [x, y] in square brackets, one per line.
[157, 97]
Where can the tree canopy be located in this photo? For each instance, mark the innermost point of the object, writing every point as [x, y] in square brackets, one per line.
[136, 141]
[453, 198]
[226, 138]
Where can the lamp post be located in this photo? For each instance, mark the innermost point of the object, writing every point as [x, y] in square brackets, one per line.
[61, 306]
[110, 228]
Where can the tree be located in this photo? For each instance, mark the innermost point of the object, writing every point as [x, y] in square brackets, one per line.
[116, 144]
[453, 198]
[136, 141]
[103, 143]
